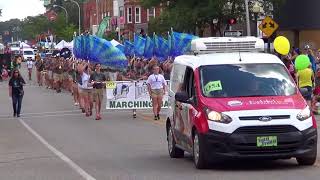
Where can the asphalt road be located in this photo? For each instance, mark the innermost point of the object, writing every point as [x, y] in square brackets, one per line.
[53, 141]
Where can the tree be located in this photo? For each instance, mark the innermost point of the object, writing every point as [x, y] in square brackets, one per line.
[189, 15]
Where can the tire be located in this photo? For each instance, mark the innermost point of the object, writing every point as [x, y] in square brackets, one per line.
[308, 160]
[199, 157]
[174, 151]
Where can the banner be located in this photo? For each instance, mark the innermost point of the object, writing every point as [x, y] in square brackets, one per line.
[130, 95]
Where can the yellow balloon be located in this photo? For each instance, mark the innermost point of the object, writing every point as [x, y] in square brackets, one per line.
[282, 45]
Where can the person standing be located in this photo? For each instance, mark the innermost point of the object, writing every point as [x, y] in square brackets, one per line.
[98, 80]
[305, 79]
[16, 92]
[157, 88]
[19, 61]
[29, 66]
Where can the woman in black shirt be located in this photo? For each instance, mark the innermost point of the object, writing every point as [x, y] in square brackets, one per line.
[16, 92]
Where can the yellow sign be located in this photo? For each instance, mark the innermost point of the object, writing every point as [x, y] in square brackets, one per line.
[111, 85]
[212, 86]
[268, 26]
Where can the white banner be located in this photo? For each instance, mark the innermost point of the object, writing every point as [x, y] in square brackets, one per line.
[130, 95]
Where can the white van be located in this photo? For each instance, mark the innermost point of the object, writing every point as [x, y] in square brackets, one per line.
[230, 100]
[28, 53]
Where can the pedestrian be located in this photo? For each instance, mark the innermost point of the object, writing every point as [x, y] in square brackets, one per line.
[305, 79]
[157, 88]
[86, 89]
[16, 92]
[58, 75]
[98, 80]
[29, 67]
[309, 52]
[19, 61]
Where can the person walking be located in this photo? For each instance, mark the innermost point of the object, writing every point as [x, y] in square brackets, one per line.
[16, 92]
[157, 88]
[86, 89]
[98, 80]
[29, 67]
[305, 79]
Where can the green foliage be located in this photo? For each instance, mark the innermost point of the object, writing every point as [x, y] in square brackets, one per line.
[189, 15]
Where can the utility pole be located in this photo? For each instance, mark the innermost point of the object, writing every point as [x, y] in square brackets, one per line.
[247, 17]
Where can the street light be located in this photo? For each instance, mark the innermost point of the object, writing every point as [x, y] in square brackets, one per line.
[64, 10]
[79, 13]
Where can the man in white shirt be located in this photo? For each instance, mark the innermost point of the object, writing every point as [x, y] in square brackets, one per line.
[157, 88]
[29, 66]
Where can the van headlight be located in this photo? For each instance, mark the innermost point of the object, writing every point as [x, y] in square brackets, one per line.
[304, 114]
[218, 117]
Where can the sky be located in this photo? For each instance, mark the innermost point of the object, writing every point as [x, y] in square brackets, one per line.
[20, 9]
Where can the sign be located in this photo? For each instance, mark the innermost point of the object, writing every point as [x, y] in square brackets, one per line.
[130, 95]
[233, 33]
[268, 26]
[111, 85]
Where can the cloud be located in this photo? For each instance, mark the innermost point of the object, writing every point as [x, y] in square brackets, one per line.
[20, 9]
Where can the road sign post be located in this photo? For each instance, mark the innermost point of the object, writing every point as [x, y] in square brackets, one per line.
[268, 26]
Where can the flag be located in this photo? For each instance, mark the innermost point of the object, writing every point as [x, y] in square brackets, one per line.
[149, 47]
[120, 47]
[170, 44]
[103, 26]
[99, 50]
[161, 48]
[181, 43]
[128, 48]
[139, 45]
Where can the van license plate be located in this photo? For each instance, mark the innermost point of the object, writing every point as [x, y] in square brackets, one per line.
[267, 141]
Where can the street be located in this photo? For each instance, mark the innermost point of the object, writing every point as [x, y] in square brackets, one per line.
[53, 140]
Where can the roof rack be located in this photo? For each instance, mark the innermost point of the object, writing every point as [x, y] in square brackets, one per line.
[227, 44]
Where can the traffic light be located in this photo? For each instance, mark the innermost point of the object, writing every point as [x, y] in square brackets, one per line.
[0, 12]
[232, 21]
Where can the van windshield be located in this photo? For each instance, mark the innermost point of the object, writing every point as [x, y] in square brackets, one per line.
[28, 52]
[246, 80]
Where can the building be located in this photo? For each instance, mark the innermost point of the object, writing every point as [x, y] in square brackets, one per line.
[137, 17]
[129, 15]
[299, 22]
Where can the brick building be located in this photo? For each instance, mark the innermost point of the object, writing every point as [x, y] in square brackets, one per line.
[90, 9]
[137, 17]
[134, 16]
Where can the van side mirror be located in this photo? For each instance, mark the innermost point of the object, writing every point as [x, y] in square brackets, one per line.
[183, 97]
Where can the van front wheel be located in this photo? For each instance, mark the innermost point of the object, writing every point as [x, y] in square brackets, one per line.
[307, 160]
[199, 157]
[174, 152]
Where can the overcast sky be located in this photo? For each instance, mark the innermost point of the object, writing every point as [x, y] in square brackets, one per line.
[20, 8]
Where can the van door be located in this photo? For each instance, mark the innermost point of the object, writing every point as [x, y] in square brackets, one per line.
[183, 115]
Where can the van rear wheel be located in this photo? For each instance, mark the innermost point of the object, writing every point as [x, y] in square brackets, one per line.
[199, 156]
[174, 151]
